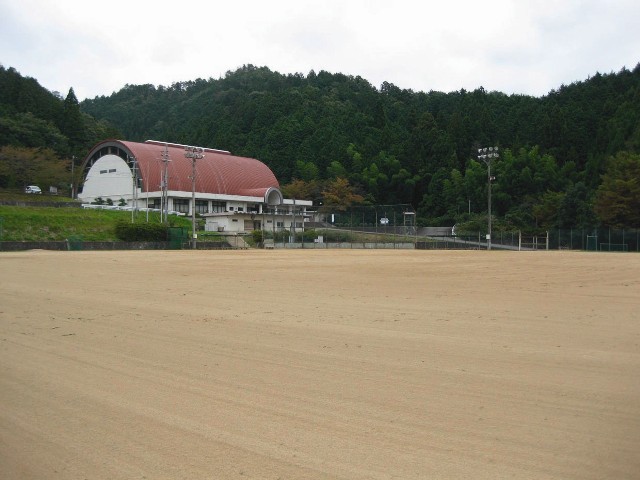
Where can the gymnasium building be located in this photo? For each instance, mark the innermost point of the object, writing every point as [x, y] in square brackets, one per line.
[234, 194]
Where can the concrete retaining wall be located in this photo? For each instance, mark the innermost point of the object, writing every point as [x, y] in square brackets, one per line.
[79, 245]
[74, 245]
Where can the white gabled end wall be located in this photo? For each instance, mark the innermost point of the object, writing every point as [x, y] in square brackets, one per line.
[109, 177]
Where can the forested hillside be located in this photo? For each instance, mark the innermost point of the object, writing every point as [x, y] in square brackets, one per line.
[566, 159]
[400, 146]
[41, 132]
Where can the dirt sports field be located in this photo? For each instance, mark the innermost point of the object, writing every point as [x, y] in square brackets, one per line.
[319, 364]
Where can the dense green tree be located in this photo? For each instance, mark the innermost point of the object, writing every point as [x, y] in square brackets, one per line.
[546, 210]
[339, 195]
[576, 208]
[302, 189]
[72, 124]
[20, 94]
[21, 166]
[31, 116]
[335, 170]
[617, 201]
[475, 186]
[27, 130]
[307, 170]
[434, 202]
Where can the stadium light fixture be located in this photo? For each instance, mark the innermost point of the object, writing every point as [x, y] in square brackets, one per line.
[487, 155]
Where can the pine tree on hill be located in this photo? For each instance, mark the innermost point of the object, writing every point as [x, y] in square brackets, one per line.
[72, 124]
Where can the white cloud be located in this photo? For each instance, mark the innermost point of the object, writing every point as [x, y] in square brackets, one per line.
[528, 46]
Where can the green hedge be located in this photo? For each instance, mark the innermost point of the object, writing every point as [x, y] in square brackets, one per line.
[141, 232]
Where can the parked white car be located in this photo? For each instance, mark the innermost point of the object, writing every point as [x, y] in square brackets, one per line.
[33, 189]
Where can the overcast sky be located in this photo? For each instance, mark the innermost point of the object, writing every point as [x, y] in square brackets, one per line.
[513, 46]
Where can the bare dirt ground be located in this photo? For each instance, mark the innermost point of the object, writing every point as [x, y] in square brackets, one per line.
[319, 364]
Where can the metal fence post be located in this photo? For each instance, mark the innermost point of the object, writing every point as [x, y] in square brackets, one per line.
[519, 240]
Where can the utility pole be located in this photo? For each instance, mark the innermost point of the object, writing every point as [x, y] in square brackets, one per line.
[73, 187]
[164, 185]
[194, 153]
[487, 155]
[134, 191]
[293, 224]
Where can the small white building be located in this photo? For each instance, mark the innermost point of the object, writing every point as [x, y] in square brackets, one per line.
[234, 194]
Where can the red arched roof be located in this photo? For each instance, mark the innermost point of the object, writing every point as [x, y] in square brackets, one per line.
[218, 172]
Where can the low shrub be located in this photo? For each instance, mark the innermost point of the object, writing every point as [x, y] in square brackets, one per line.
[140, 232]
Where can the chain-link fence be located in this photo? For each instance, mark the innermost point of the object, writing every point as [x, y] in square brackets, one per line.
[395, 227]
[596, 239]
[333, 235]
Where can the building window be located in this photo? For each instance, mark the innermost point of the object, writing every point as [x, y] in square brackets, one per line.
[181, 205]
[234, 220]
[202, 206]
[154, 203]
[280, 224]
[102, 172]
[112, 170]
[218, 206]
[241, 209]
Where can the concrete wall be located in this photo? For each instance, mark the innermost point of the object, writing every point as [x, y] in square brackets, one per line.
[64, 246]
[73, 245]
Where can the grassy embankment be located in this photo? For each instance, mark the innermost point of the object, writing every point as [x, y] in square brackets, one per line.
[46, 223]
[29, 222]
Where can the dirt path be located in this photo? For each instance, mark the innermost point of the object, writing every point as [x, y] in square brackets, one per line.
[319, 364]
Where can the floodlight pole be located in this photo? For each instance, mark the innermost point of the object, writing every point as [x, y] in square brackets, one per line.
[487, 155]
[194, 153]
